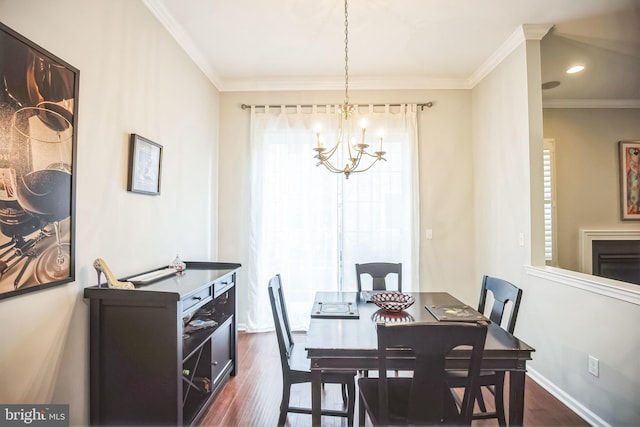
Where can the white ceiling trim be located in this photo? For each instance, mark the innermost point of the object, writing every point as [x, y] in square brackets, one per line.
[181, 37]
[591, 103]
[325, 83]
[520, 35]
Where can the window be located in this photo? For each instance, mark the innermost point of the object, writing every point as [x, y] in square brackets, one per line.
[550, 240]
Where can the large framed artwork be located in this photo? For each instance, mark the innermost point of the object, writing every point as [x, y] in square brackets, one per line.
[38, 122]
[630, 179]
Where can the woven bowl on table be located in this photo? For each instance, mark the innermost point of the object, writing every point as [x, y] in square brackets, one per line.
[393, 302]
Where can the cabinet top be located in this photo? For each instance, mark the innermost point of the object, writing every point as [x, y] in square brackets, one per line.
[178, 286]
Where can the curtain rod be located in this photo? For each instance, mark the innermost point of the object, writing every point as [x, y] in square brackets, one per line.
[245, 106]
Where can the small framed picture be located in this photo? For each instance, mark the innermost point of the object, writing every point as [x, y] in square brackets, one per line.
[145, 165]
[630, 179]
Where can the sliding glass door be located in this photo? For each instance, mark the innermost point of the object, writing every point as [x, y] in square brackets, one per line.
[312, 226]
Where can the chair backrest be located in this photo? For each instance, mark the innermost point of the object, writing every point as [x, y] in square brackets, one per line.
[503, 292]
[281, 320]
[430, 398]
[378, 272]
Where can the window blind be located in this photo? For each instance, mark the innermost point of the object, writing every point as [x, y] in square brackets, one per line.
[549, 201]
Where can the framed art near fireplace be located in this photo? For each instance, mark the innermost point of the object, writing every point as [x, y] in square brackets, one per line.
[630, 179]
[38, 118]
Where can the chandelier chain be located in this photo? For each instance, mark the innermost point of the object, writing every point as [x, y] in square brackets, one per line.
[346, 54]
[347, 148]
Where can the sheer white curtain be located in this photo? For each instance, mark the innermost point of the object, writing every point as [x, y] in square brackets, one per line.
[312, 226]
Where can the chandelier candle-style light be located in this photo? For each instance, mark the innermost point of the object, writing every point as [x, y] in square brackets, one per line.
[346, 136]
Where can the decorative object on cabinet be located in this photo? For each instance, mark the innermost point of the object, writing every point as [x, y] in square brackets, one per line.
[102, 267]
[143, 340]
[630, 179]
[178, 264]
[38, 118]
[145, 165]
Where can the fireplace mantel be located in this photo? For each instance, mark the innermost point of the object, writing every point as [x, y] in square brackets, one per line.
[586, 243]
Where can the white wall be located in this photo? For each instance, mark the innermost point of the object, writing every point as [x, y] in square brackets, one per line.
[133, 79]
[566, 317]
[587, 167]
[446, 261]
[501, 169]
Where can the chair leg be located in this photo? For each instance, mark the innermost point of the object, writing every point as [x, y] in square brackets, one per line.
[499, 399]
[284, 404]
[361, 411]
[345, 398]
[480, 400]
[351, 406]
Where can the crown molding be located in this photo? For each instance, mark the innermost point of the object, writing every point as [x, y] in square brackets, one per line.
[521, 34]
[591, 103]
[336, 83]
[180, 36]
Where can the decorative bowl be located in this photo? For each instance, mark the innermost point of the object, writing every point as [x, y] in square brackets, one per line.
[393, 302]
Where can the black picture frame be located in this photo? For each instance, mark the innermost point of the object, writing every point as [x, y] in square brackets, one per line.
[145, 165]
[38, 145]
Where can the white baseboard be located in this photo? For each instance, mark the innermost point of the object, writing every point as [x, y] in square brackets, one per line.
[566, 399]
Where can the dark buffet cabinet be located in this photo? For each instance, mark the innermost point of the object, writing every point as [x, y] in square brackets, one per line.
[148, 365]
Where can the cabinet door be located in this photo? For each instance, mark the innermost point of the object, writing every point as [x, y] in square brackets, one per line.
[221, 356]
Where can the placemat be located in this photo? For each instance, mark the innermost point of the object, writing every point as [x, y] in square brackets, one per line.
[335, 310]
[456, 313]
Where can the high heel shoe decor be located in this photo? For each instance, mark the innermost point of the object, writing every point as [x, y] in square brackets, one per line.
[102, 267]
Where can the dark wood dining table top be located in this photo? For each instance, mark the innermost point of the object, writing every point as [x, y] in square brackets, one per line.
[356, 337]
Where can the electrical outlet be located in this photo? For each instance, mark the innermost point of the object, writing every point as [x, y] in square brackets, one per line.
[593, 366]
[428, 233]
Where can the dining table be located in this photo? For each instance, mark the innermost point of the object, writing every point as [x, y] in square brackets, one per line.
[342, 336]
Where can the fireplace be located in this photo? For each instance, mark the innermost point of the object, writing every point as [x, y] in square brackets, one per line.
[617, 259]
[614, 254]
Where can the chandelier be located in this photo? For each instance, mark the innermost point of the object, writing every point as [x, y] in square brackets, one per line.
[351, 151]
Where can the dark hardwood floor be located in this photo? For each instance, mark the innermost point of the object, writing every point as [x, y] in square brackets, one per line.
[252, 397]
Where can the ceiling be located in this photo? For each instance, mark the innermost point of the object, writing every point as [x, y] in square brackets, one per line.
[403, 44]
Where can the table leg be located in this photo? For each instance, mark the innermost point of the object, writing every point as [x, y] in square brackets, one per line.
[316, 396]
[516, 398]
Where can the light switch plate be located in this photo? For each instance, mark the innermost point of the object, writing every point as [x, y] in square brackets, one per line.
[593, 366]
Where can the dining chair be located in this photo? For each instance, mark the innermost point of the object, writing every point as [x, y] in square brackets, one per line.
[296, 367]
[379, 272]
[503, 292]
[424, 398]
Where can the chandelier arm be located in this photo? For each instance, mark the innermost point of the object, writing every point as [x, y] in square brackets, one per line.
[331, 168]
[331, 152]
[368, 167]
[370, 155]
[355, 162]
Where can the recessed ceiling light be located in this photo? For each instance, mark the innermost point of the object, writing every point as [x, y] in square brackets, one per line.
[575, 69]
